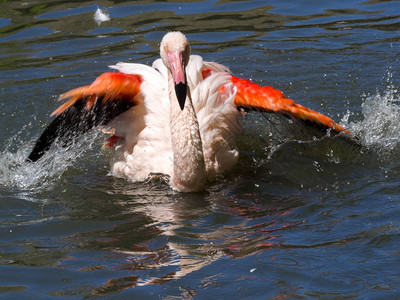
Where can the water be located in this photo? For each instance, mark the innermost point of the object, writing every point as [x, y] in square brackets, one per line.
[298, 217]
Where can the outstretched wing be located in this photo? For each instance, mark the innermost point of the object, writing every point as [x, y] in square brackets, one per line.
[89, 106]
[252, 96]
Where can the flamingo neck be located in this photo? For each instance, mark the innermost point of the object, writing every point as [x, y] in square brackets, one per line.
[189, 169]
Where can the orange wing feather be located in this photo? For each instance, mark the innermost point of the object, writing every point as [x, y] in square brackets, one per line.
[251, 95]
[110, 86]
[89, 106]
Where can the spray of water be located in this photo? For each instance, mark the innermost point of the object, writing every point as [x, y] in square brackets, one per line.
[379, 128]
[16, 172]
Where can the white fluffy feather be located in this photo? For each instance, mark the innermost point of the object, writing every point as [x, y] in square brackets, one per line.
[101, 16]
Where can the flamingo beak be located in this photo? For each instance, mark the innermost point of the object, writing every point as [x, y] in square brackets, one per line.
[177, 66]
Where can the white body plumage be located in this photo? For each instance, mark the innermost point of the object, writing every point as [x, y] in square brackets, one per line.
[147, 146]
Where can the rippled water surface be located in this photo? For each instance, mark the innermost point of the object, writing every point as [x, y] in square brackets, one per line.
[298, 217]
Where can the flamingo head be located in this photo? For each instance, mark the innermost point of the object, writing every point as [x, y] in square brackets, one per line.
[175, 53]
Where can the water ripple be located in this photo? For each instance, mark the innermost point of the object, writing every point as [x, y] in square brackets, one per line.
[300, 216]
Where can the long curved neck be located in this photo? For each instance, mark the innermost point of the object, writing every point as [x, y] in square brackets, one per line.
[189, 168]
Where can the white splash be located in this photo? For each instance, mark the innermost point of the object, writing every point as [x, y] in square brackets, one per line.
[101, 16]
[380, 127]
[17, 173]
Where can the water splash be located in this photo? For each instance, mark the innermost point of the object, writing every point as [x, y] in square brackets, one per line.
[16, 172]
[380, 127]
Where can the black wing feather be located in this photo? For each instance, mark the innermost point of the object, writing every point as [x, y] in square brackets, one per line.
[75, 121]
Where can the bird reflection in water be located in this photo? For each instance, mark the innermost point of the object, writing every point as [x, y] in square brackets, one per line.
[168, 236]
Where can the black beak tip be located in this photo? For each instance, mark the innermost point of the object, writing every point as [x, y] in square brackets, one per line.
[181, 91]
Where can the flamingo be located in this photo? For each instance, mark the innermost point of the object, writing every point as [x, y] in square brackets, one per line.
[180, 117]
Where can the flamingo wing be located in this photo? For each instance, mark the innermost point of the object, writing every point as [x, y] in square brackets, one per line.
[97, 104]
[252, 96]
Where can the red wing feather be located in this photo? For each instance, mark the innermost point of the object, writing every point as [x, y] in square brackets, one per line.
[251, 95]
